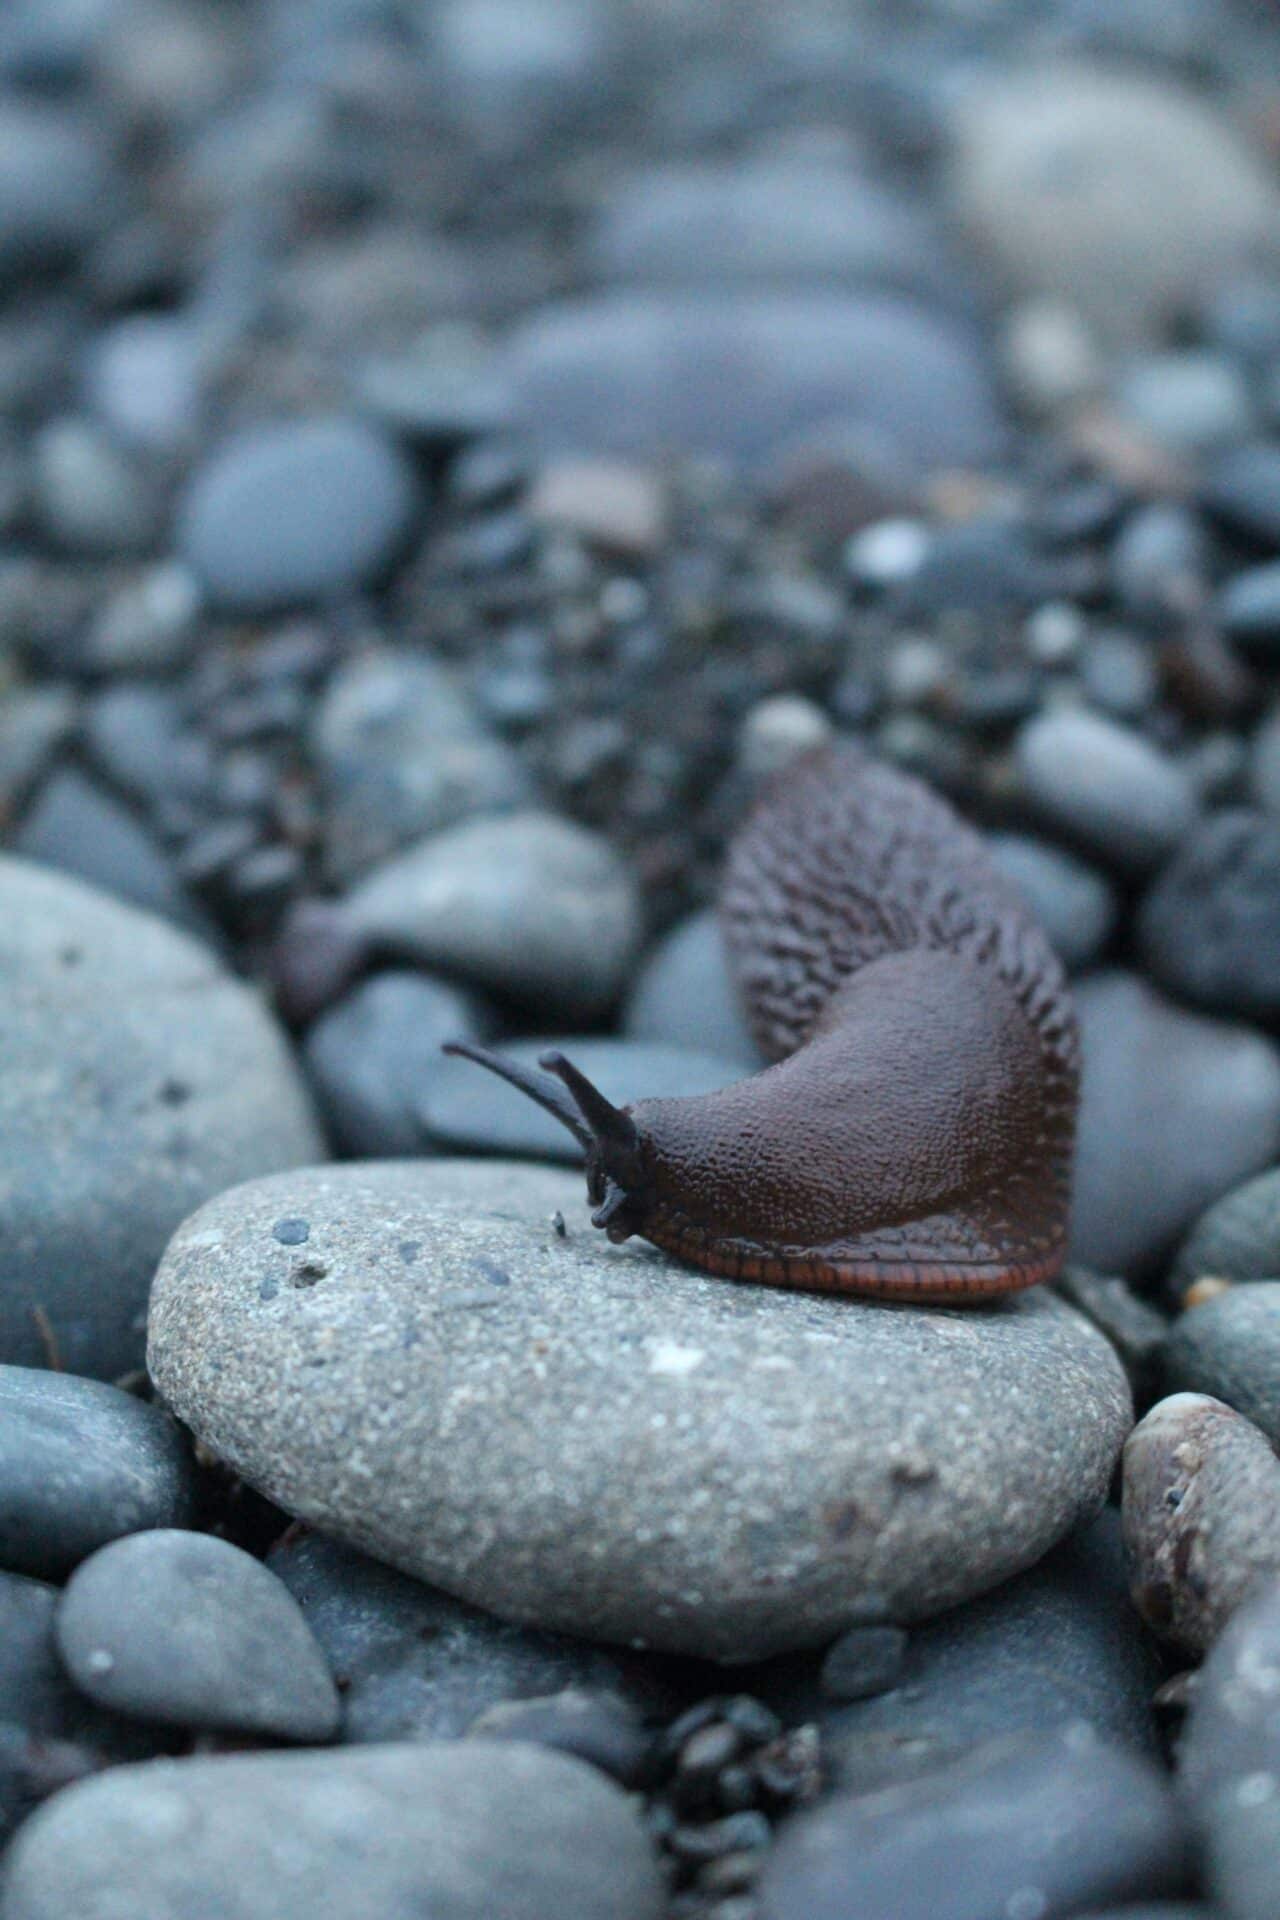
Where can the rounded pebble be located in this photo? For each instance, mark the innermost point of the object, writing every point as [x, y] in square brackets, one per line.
[1229, 1347]
[1100, 783]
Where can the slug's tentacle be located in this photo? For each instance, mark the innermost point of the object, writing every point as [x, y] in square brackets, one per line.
[915, 1134]
[548, 1094]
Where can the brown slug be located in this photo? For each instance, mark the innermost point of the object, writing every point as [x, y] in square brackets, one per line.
[914, 1138]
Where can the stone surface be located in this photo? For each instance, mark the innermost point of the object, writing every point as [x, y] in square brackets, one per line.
[1230, 1347]
[373, 1054]
[1241, 490]
[413, 1663]
[91, 496]
[1044, 1824]
[1035, 160]
[461, 1832]
[465, 1110]
[1238, 1238]
[683, 995]
[55, 184]
[1175, 1110]
[303, 511]
[119, 1111]
[80, 1464]
[435, 1343]
[742, 374]
[1201, 1516]
[1104, 786]
[401, 753]
[1249, 610]
[36, 1696]
[1210, 926]
[186, 1629]
[1072, 902]
[527, 905]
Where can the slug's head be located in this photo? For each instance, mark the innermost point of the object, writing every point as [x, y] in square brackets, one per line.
[618, 1184]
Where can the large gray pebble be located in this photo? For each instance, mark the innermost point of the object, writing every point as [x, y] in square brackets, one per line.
[684, 997]
[80, 1464]
[55, 185]
[292, 513]
[120, 1110]
[1175, 1110]
[1037, 154]
[413, 1663]
[401, 753]
[1042, 1824]
[469, 1111]
[527, 905]
[1071, 900]
[1230, 1347]
[1210, 926]
[458, 1832]
[373, 1054]
[412, 1358]
[1237, 1239]
[186, 1629]
[1099, 783]
[35, 1693]
[91, 496]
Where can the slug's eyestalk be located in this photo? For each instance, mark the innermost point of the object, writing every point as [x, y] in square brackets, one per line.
[610, 1139]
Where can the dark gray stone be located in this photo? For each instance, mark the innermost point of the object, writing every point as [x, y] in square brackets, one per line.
[80, 1464]
[1241, 489]
[144, 377]
[1105, 787]
[1249, 609]
[1043, 1824]
[372, 1056]
[135, 736]
[1237, 1239]
[461, 1832]
[401, 752]
[91, 496]
[119, 1110]
[1265, 768]
[836, 1448]
[1135, 1328]
[591, 1726]
[35, 1694]
[526, 905]
[863, 1663]
[1073, 902]
[741, 374]
[188, 1630]
[1175, 1110]
[1160, 562]
[465, 1110]
[1230, 1347]
[148, 627]
[1190, 401]
[412, 1663]
[1210, 926]
[684, 997]
[55, 185]
[34, 723]
[303, 511]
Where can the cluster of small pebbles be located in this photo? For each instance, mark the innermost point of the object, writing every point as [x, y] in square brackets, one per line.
[451, 458]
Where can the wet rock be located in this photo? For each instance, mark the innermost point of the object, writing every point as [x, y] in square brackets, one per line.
[953, 1450]
[188, 1630]
[1237, 1239]
[1103, 785]
[1229, 1347]
[464, 1831]
[118, 1111]
[1070, 899]
[1210, 926]
[591, 1727]
[34, 723]
[1201, 1516]
[1175, 1110]
[683, 995]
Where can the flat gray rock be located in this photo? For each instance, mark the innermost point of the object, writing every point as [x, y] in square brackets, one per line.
[592, 1438]
[188, 1630]
[458, 1832]
[120, 1111]
[80, 1464]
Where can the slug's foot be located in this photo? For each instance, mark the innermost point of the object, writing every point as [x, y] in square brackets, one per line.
[612, 1143]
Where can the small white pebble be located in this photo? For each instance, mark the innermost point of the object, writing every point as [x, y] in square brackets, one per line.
[886, 552]
[100, 1661]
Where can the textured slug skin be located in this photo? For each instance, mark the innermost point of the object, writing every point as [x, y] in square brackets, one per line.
[915, 1136]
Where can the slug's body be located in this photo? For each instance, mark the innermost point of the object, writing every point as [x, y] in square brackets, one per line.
[914, 1137]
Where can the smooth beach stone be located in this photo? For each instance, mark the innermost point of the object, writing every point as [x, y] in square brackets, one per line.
[740, 374]
[35, 722]
[683, 995]
[120, 1111]
[186, 1629]
[301, 511]
[1249, 610]
[1175, 1110]
[1230, 1347]
[80, 1464]
[1073, 903]
[55, 184]
[1201, 1515]
[1237, 1239]
[1241, 490]
[371, 1055]
[526, 905]
[91, 496]
[1044, 1824]
[1103, 785]
[460, 1832]
[413, 1663]
[470, 1112]
[441, 1378]
[1189, 401]
[1035, 158]
[1209, 928]
[401, 752]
